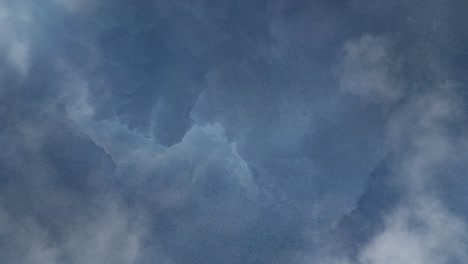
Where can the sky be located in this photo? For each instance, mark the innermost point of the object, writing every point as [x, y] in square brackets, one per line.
[202, 131]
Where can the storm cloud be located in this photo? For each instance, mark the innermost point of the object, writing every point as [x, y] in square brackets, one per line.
[181, 132]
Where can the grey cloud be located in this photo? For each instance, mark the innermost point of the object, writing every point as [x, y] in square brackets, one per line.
[202, 132]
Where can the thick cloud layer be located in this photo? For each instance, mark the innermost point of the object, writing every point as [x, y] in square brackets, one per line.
[183, 132]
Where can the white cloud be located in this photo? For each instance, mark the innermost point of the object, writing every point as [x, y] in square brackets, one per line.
[14, 44]
[77, 6]
[370, 70]
[419, 134]
[422, 230]
[112, 237]
[19, 56]
[424, 233]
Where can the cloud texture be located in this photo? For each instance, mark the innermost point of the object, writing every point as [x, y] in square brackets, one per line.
[181, 132]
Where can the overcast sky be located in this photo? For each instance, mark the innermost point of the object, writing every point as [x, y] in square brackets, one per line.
[241, 131]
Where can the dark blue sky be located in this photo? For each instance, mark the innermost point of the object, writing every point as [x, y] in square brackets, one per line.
[276, 132]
